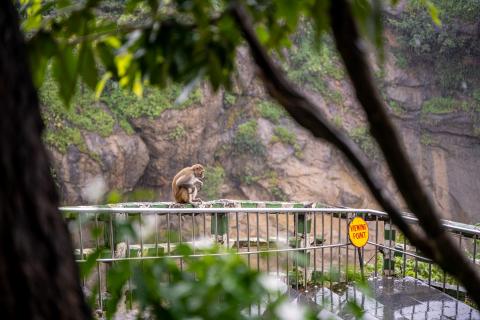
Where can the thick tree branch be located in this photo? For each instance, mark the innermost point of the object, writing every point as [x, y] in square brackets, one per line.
[445, 253]
[308, 114]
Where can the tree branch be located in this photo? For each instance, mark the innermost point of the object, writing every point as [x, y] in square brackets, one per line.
[445, 252]
[308, 114]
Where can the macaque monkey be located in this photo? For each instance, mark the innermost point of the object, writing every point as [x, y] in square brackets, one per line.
[187, 183]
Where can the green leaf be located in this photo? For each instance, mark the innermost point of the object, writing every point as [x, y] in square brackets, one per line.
[41, 47]
[87, 66]
[262, 34]
[290, 11]
[214, 70]
[65, 73]
[87, 266]
[137, 85]
[432, 9]
[101, 84]
[321, 16]
[116, 279]
[34, 18]
[122, 62]
[114, 196]
[107, 56]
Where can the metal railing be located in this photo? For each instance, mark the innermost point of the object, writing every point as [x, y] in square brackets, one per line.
[304, 246]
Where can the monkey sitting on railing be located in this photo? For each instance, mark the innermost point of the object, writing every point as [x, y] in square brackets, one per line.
[187, 183]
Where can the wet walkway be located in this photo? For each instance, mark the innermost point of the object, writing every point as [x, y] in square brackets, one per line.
[393, 298]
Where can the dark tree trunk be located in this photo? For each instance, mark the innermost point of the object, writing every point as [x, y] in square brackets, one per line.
[38, 274]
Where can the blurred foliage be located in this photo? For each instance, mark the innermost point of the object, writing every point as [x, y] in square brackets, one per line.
[141, 43]
[220, 285]
[163, 291]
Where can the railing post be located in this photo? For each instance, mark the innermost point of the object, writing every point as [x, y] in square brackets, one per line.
[219, 224]
[388, 258]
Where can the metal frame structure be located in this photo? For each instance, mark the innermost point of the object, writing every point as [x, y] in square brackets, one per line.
[281, 234]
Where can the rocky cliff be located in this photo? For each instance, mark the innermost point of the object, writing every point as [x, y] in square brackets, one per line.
[252, 150]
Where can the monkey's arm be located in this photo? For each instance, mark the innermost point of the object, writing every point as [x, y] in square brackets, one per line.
[186, 181]
[198, 183]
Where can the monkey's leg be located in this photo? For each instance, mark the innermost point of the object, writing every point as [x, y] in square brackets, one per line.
[193, 200]
[194, 196]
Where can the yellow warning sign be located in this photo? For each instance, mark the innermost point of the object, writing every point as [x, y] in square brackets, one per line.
[358, 232]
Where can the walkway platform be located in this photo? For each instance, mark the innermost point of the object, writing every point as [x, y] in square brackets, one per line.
[392, 299]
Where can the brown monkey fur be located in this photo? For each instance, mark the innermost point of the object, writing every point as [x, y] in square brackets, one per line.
[185, 182]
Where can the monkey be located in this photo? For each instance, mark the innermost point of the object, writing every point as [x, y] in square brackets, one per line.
[187, 183]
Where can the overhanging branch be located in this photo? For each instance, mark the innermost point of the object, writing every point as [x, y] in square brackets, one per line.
[309, 115]
[445, 252]
[438, 245]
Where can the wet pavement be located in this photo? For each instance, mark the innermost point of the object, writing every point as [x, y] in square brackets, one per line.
[393, 298]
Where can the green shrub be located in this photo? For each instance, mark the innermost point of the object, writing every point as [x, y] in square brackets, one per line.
[284, 135]
[229, 98]
[445, 47]
[246, 139]
[312, 65]
[338, 121]
[62, 139]
[177, 133]
[219, 286]
[365, 141]
[396, 107]
[154, 101]
[271, 111]
[440, 105]
[278, 194]
[64, 125]
[426, 139]
[214, 178]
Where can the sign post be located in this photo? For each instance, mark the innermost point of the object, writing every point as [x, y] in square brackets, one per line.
[358, 234]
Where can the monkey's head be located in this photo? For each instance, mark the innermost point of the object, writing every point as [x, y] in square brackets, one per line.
[198, 170]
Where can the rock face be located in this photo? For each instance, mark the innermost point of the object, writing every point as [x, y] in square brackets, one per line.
[179, 138]
[115, 163]
[305, 169]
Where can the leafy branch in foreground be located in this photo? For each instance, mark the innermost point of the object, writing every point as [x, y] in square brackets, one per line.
[219, 286]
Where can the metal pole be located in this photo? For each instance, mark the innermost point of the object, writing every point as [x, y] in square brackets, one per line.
[360, 260]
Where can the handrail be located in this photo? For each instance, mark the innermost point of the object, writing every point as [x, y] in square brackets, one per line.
[451, 225]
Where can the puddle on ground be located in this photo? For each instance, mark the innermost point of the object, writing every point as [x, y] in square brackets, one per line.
[391, 298]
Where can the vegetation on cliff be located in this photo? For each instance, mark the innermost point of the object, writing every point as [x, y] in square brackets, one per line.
[447, 53]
